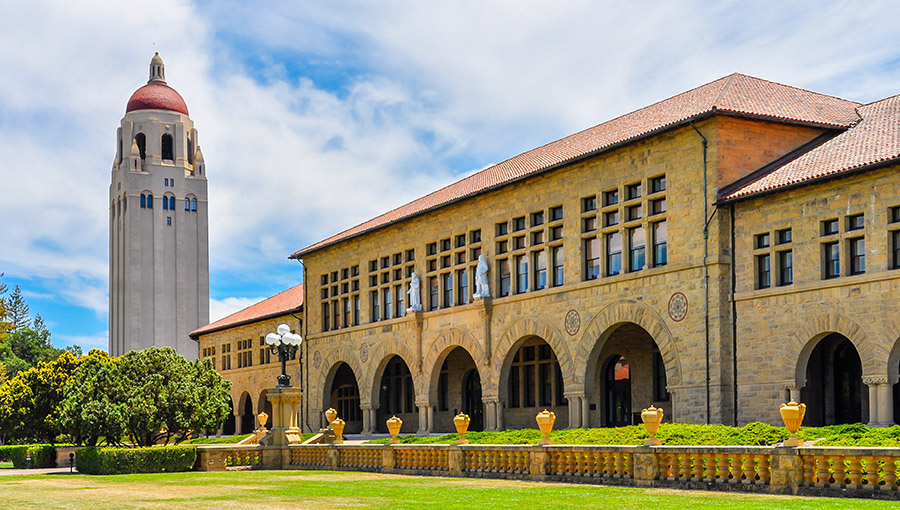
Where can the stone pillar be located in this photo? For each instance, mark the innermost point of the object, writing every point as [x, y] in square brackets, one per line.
[873, 383]
[285, 405]
[586, 412]
[539, 463]
[886, 402]
[485, 313]
[367, 415]
[430, 418]
[786, 470]
[423, 418]
[574, 410]
[501, 425]
[456, 461]
[490, 413]
[646, 467]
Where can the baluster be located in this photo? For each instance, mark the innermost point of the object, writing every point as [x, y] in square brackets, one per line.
[856, 475]
[733, 463]
[749, 469]
[709, 472]
[672, 466]
[620, 464]
[890, 473]
[872, 473]
[840, 471]
[609, 465]
[823, 476]
[764, 473]
[592, 464]
[697, 471]
[579, 459]
[629, 465]
[809, 470]
[721, 474]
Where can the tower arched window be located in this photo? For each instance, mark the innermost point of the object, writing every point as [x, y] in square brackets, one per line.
[165, 202]
[187, 204]
[142, 144]
[172, 203]
[167, 147]
[149, 201]
[194, 205]
[143, 201]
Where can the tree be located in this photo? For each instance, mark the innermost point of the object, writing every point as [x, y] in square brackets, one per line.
[5, 326]
[30, 402]
[17, 310]
[92, 406]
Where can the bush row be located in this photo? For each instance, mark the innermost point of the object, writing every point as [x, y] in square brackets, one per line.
[682, 434]
[41, 455]
[154, 459]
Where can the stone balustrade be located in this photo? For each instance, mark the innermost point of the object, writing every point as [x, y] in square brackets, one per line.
[863, 472]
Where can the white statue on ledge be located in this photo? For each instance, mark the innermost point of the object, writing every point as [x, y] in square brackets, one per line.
[415, 302]
[481, 280]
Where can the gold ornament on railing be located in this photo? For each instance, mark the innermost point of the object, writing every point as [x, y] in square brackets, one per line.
[338, 427]
[462, 426]
[263, 418]
[545, 420]
[330, 415]
[652, 417]
[393, 425]
[792, 413]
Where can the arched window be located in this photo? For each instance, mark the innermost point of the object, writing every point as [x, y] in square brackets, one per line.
[194, 204]
[167, 147]
[143, 201]
[165, 202]
[142, 144]
[187, 204]
[149, 201]
[172, 203]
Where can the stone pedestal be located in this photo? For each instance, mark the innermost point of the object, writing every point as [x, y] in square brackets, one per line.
[285, 407]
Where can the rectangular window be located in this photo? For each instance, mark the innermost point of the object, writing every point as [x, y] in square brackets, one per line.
[558, 257]
[545, 383]
[657, 206]
[784, 236]
[634, 212]
[762, 240]
[460, 240]
[433, 293]
[637, 243]
[518, 242]
[346, 303]
[461, 257]
[611, 218]
[475, 236]
[556, 213]
[502, 247]
[588, 204]
[514, 385]
[462, 283]
[591, 258]
[633, 191]
[400, 301]
[431, 249]
[540, 270]
[660, 390]
[589, 224]
[326, 317]
[894, 215]
[529, 385]
[537, 218]
[611, 197]
[376, 306]
[519, 224]
[856, 222]
[829, 227]
[832, 258]
[502, 228]
[445, 244]
[658, 184]
[448, 289]
[388, 303]
[895, 249]
[763, 271]
[356, 310]
[521, 274]
[660, 244]
[858, 255]
[504, 277]
[537, 237]
[335, 314]
[613, 253]
[785, 267]
[556, 233]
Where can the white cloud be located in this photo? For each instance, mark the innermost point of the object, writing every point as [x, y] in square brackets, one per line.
[220, 308]
[86, 342]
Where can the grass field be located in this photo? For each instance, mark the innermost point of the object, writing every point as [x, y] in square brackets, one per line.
[325, 490]
[6, 464]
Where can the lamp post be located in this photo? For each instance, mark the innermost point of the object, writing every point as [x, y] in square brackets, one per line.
[285, 344]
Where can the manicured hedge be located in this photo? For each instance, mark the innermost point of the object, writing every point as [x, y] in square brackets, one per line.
[41, 455]
[116, 461]
[218, 440]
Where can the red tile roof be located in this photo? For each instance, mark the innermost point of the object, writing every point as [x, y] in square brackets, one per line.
[283, 303]
[736, 94]
[874, 140]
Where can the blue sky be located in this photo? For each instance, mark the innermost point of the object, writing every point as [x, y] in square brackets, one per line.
[313, 118]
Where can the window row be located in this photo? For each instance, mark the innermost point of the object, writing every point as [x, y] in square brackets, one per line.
[168, 202]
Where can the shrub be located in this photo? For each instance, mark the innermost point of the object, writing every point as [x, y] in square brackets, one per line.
[41, 455]
[217, 440]
[154, 459]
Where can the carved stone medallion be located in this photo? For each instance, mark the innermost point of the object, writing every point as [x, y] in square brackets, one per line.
[573, 322]
[364, 352]
[678, 306]
[317, 359]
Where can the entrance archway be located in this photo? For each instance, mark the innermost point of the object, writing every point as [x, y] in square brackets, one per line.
[458, 390]
[533, 382]
[626, 372]
[228, 428]
[248, 419]
[472, 404]
[397, 397]
[618, 392]
[343, 396]
[834, 393]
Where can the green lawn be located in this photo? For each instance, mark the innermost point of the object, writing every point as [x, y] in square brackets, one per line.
[6, 464]
[326, 490]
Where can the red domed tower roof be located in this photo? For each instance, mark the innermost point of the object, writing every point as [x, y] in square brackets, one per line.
[156, 95]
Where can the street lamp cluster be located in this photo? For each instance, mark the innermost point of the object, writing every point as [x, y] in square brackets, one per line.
[285, 345]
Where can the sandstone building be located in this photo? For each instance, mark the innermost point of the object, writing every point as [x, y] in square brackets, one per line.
[713, 254]
[158, 225]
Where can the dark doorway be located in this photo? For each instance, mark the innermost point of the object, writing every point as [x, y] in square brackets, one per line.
[248, 418]
[229, 425]
[397, 397]
[344, 398]
[834, 391]
[472, 404]
[618, 392]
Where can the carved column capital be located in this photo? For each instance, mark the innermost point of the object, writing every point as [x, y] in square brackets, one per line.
[874, 380]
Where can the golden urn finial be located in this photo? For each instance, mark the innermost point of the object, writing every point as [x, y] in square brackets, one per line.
[545, 420]
[393, 425]
[792, 413]
[338, 427]
[462, 426]
[330, 415]
[263, 418]
[652, 417]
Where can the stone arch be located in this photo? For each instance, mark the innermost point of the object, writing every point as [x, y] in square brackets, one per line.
[608, 319]
[874, 356]
[517, 332]
[892, 335]
[440, 348]
[383, 354]
[330, 364]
